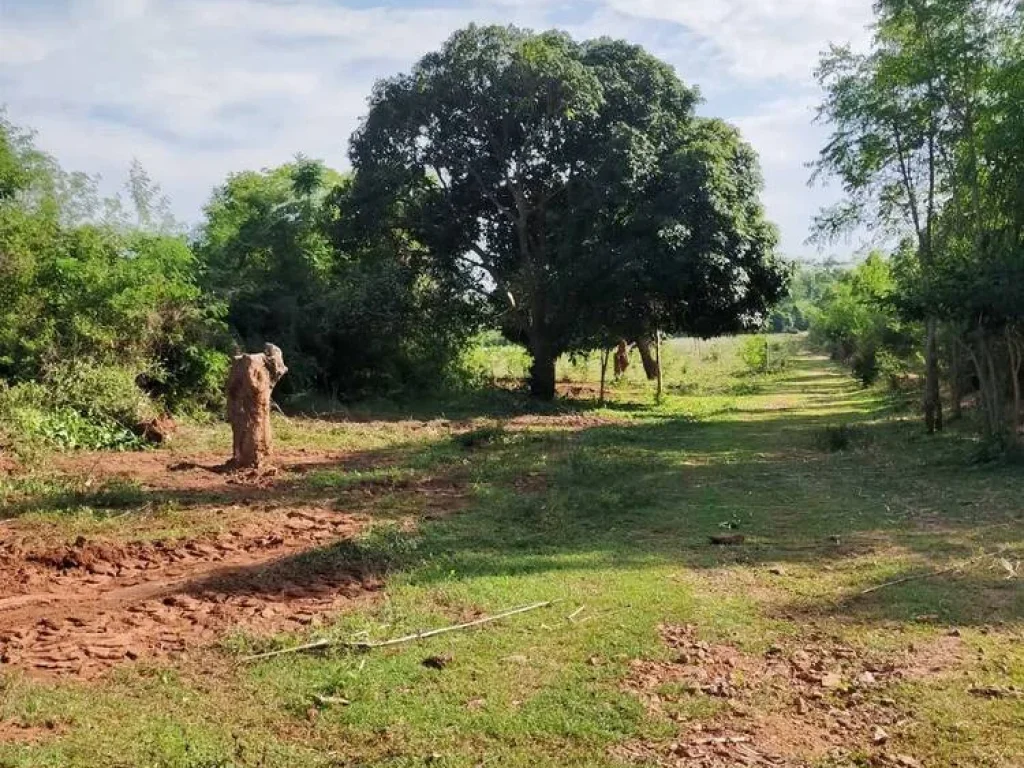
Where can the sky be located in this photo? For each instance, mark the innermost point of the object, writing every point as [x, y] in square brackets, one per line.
[196, 89]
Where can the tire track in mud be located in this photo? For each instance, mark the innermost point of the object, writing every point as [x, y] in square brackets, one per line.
[86, 607]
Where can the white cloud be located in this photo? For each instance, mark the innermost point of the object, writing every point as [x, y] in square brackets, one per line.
[199, 88]
[760, 39]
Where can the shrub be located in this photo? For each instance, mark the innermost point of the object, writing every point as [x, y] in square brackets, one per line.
[77, 405]
[762, 354]
[99, 392]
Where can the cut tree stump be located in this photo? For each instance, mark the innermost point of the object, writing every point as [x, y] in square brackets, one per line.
[251, 381]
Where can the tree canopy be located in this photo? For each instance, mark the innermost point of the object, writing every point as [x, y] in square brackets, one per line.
[573, 186]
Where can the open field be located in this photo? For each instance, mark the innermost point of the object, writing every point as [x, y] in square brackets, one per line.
[132, 586]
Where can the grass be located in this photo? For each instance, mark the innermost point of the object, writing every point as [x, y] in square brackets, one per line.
[613, 518]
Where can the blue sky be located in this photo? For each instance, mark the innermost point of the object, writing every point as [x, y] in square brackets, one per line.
[197, 88]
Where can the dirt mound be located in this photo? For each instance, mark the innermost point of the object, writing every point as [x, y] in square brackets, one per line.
[81, 608]
[790, 707]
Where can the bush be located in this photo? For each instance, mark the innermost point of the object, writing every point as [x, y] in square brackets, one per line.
[762, 354]
[77, 405]
[99, 392]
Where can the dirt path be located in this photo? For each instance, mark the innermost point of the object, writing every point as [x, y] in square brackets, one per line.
[92, 606]
[79, 608]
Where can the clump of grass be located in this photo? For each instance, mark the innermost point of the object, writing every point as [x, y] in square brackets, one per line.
[998, 449]
[835, 438]
[30, 493]
[481, 437]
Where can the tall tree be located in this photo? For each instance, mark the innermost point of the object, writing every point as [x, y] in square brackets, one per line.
[884, 149]
[907, 122]
[574, 185]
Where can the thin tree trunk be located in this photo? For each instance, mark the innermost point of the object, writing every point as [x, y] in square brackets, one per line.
[1014, 352]
[605, 354]
[977, 354]
[932, 398]
[956, 378]
[657, 360]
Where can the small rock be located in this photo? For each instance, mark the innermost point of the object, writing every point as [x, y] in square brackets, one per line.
[879, 736]
[866, 678]
[801, 706]
[907, 762]
[831, 680]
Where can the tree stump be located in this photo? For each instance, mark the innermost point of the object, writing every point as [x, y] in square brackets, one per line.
[251, 380]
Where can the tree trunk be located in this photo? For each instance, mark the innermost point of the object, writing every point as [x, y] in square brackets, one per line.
[250, 382]
[932, 398]
[1013, 349]
[542, 373]
[956, 378]
[657, 361]
[605, 353]
[643, 345]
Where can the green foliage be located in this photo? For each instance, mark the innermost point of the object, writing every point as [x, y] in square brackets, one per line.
[764, 354]
[857, 320]
[926, 142]
[574, 186]
[807, 288]
[353, 315]
[94, 295]
[34, 416]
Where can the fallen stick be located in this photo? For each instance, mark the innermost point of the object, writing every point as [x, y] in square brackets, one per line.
[327, 701]
[366, 645]
[572, 616]
[929, 574]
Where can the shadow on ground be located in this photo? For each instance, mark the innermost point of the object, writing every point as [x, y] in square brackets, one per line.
[652, 492]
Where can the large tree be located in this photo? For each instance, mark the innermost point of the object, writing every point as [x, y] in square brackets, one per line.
[573, 186]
